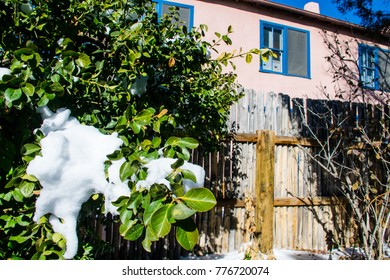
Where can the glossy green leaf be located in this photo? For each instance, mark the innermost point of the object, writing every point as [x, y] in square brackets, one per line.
[189, 175]
[28, 89]
[160, 221]
[151, 209]
[156, 142]
[125, 227]
[200, 199]
[125, 215]
[126, 171]
[187, 234]
[179, 162]
[188, 142]
[120, 201]
[181, 211]
[150, 236]
[30, 148]
[12, 94]
[83, 60]
[27, 188]
[135, 232]
[177, 189]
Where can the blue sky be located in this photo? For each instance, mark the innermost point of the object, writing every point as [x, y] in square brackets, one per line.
[327, 8]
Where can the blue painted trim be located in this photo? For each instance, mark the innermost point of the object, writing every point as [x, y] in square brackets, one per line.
[159, 8]
[363, 48]
[284, 29]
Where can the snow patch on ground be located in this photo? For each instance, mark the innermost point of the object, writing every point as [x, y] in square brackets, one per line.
[284, 254]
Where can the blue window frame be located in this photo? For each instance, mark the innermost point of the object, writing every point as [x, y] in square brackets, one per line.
[186, 12]
[374, 67]
[291, 47]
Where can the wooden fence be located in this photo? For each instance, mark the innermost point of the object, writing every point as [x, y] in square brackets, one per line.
[265, 169]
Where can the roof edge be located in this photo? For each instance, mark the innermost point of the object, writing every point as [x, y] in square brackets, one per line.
[305, 13]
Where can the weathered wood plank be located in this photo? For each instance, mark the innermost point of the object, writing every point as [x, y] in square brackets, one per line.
[264, 189]
[279, 140]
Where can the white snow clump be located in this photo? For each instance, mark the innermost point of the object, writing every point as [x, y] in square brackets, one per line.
[160, 168]
[71, 169]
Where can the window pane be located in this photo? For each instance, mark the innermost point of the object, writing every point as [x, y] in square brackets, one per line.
[297, 53]
[277, 62]
[277, 42]
[267, 34]
[384, 69]
[369, 78]
[184, 13]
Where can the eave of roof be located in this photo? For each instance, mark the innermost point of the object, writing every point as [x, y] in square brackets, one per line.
[326, 20]
[303, 13]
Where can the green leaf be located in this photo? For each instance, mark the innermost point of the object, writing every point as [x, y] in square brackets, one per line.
[120, 201]
[17, 194]
[30, 178]
[150, 236]
[145, 116]
[188, 174]
[12, 94]
[136, 127]
[43, 101]
[56, 87]
[177, 189]
[57, 237]
[160, 221]
[27, 188]
[125, 227]
[172, 141]
[200, 199]
[187, 234]
[188, 142]
[151, 209]
[135, 200]
[135, 232]
[179, 162]
[156, 126]
[185, 154]
[156, 141]
[125, 215]
[181, 212]
[126, 171]
[25, 51]
[158, 191]
[19, 239]
[28, 89]
[248, 58]
[115, 155]
[83, 60]
[29, 149]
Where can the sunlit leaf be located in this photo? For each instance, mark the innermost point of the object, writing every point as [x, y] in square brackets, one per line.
[200, 199]
[160, 221]
[187, 234]
[181, 211]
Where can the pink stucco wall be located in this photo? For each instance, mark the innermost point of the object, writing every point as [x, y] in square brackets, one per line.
[245, 20]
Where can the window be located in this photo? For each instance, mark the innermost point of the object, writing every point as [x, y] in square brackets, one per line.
[186, 12]
[374, 67]
[291, 47]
